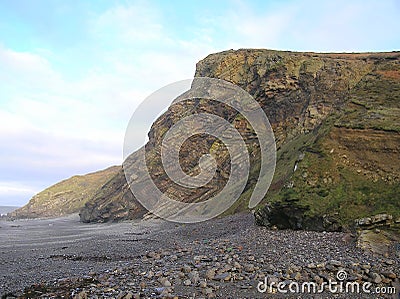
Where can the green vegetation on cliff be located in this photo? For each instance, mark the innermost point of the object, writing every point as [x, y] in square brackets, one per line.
[336, 123]
[65, 197]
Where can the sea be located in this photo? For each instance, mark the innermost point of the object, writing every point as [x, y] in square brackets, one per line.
[6, 209]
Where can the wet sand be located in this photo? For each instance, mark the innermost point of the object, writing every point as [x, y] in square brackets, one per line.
[33, 251]
[221, 258]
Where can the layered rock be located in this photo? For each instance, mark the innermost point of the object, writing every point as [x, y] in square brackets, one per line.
[113, 201]
[66, 197]
[379, 233]
[336, 122]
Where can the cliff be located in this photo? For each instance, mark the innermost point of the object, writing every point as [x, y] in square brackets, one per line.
[66, 197]
[336, 120]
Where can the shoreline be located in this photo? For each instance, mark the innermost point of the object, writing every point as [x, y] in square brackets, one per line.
[66, 257]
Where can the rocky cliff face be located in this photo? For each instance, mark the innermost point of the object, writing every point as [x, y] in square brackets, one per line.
[336, 120]
[113, 201]
[65, 197]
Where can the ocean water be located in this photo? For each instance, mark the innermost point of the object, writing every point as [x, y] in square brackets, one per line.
[6, 209]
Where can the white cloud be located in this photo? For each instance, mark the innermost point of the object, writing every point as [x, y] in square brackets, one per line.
[256, 29]
[51, 122]
[17, 193]
[138, 23]
[338, 26]
[54, 125]
[52, 128]
[16, 188]
[26, 71]
[327, 26]
[24, 62]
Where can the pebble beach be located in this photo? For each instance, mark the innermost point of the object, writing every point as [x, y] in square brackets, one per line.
[227, 257]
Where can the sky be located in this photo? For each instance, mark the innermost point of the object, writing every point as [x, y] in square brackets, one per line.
[73, 72]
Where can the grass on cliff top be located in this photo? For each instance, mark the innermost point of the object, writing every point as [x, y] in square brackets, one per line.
[69, 196]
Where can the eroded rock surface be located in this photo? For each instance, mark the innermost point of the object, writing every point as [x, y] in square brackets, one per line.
[338, 112]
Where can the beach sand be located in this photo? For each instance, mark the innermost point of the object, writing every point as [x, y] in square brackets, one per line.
[221, 258]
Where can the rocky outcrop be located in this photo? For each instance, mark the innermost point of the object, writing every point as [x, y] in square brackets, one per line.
[379, 233]
[336, 122]
[113, 201]
[291, 215]
[65, 197]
